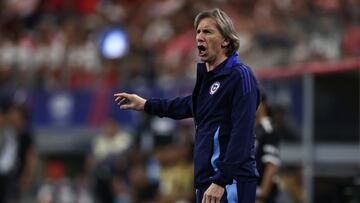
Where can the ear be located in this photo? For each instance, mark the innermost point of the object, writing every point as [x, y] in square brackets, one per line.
[225, 43]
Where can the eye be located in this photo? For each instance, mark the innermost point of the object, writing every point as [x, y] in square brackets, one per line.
[206, 31]
[198, 31]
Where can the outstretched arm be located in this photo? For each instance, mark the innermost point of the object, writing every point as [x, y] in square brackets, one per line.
[178, 108]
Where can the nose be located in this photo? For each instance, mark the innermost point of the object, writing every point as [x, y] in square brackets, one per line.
[199, 37]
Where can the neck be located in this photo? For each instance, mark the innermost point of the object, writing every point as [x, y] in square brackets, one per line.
[212, 65]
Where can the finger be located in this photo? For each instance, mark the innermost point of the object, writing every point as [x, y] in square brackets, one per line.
[123, 101]
[126, 106]
[208, 199]
[123, 104]
[203, 199]
[118, 97]
[122, 94]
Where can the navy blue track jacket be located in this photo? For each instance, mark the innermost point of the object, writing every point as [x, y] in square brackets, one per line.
[223, 105]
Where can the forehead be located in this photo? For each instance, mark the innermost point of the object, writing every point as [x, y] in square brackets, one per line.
[207, 22]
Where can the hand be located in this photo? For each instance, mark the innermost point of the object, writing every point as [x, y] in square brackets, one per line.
[213, 194]
[130, 101]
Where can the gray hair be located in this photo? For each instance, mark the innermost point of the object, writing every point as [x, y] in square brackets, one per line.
[225, 26]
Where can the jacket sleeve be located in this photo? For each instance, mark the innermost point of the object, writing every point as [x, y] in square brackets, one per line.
[178, 108]
[239, 159]
[270, 147]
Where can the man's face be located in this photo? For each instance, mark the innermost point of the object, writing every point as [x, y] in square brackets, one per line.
[210, 42]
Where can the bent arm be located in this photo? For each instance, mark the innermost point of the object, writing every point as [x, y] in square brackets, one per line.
[267, 181]
[271, 159]
[239, 159]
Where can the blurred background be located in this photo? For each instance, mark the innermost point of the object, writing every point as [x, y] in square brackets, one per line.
[64, 140]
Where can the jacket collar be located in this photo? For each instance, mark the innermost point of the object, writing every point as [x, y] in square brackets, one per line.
[223, 68]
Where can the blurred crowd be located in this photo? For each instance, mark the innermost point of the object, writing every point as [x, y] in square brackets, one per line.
[118, 166]
[56, 44]
[49, 45]
[118, 169]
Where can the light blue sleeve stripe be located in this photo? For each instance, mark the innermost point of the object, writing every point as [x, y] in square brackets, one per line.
[216, 151]
[197, 193]
[231, 190]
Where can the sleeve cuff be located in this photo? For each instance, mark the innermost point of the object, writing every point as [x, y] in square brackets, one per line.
[153, 107]
[220, 179]
[147, 106]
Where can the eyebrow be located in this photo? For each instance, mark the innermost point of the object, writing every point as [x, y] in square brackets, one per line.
[206, 28]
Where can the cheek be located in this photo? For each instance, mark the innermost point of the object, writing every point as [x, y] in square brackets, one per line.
[214, 44]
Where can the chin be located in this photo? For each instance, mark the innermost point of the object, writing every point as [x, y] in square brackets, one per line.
[204, 59]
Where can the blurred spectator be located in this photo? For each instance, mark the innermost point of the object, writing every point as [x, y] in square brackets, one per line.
[291, 183]
[113, 142]
[267, 155]
[57, 187]
[17, 153]
[107, 148]
[143, 178]
[8, 158]
[351, 41]
[83, 190]
[176, 174]
[281, 125]
[154, 133]
[27, 154]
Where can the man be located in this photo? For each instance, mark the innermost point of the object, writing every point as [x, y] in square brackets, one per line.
[107, 149]
[18, 116]
[17, 152]
[8, 150]
[267, 155]
[223, 105]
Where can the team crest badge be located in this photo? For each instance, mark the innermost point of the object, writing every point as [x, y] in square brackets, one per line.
[214, 87]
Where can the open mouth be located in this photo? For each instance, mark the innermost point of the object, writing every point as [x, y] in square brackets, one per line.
[202, 50]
